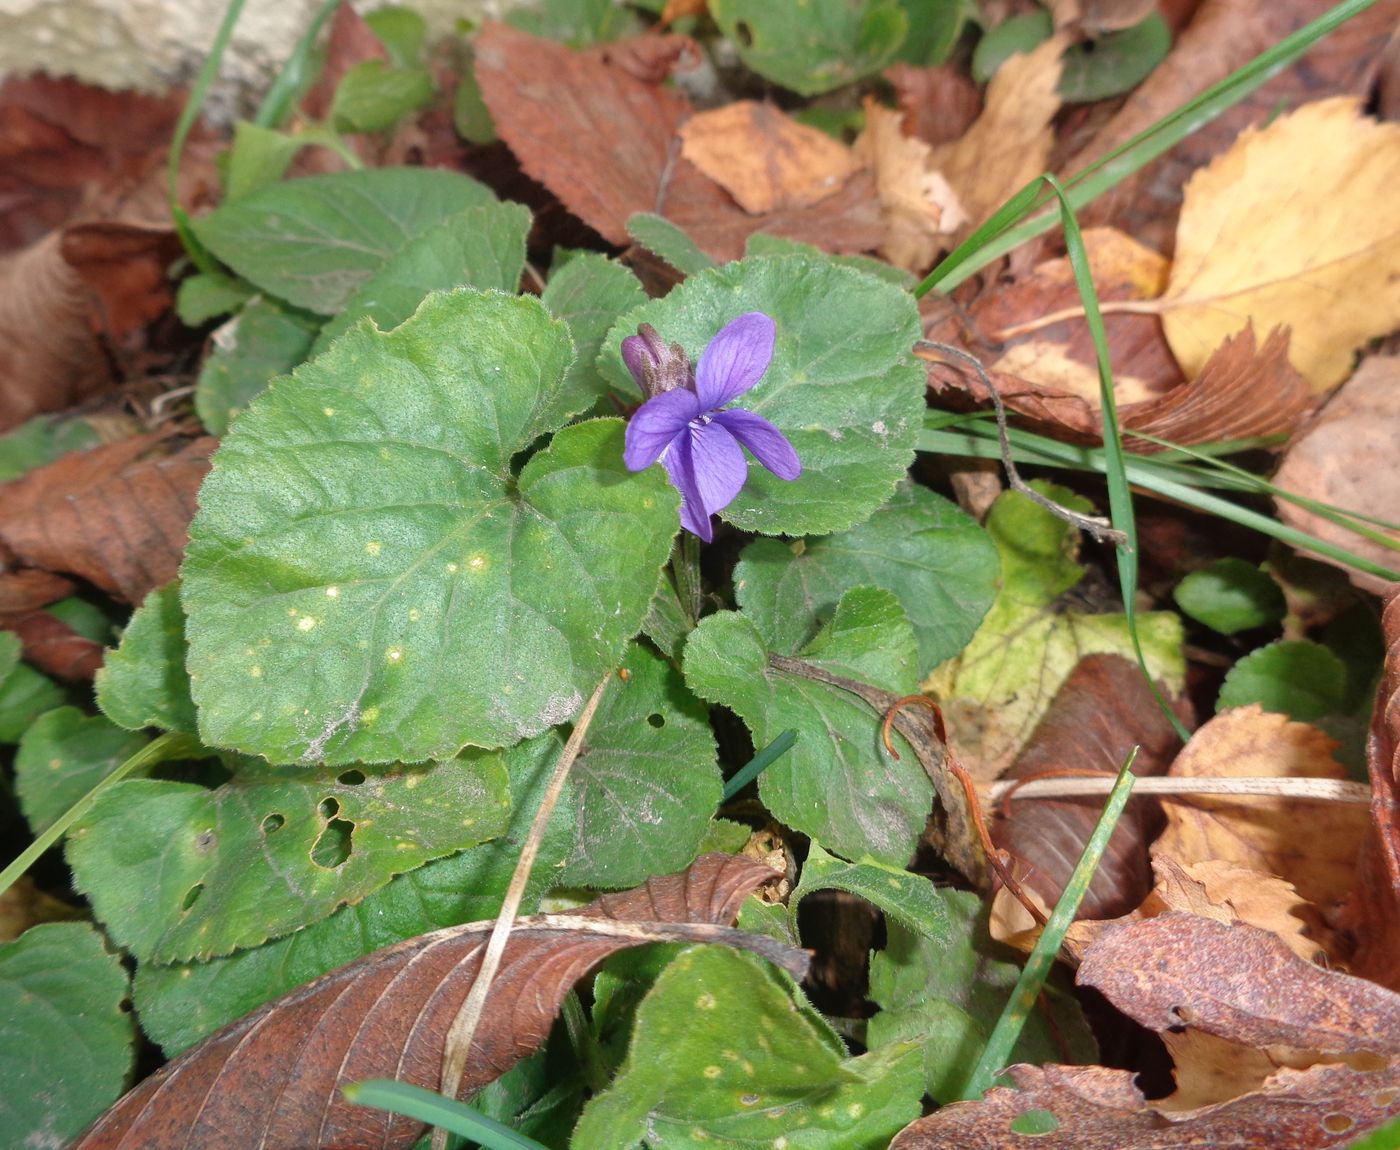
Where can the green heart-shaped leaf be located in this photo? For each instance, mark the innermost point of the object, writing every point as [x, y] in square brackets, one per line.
[368, 579]
[842, 385]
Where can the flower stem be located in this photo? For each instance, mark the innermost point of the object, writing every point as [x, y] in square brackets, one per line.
[685, 566]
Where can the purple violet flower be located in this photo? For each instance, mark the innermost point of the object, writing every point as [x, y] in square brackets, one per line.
[683, 422]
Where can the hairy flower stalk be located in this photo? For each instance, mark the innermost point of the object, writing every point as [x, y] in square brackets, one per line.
[686, 426]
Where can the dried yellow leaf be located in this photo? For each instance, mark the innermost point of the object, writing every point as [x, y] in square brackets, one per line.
[1298, 224]
[919, 208]
[1009, 144]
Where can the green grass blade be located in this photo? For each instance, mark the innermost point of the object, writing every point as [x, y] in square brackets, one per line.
[1042, 957]
[1385, 1137]
[296, 73]
[188, 114]
[1120, 496]
[759, 763]
[169, 746]
[446, 1113]
[972, 440]
[1008, 230]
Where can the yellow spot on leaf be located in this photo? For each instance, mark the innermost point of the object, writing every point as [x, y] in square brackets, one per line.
[255, 671]
[706, 1001]
[305, 623]
[332, 592]
[394, 654]
[713, 1072]
[373, 547]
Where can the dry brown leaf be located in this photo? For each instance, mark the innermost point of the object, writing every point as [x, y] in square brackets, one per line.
[1046, 370]
[1223, 36]
[1371, 917]
[1239, 983]
[1209, 1070]
[23, 905]
[1104, 710]
[764, 158]
[605, 143]
[280, 1069]
[1095, 1108]
[54, 647]
[1294, 218]
[1310, 844]
[50, 357]
[1059, 357]
[1009, 145]
[1224, 892]
[939, 104]
[112, 515]
[917, 204]
[1347, 457]
[1099, 16]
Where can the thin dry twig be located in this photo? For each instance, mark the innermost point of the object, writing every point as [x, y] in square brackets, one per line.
[464, 1026]
[1095, 525]
[1321, 790]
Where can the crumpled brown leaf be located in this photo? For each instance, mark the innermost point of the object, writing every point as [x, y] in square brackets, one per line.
[764, 158]
[606, 144]
[280, 1068]
[1371, 917]
[50, 357]
[1311, 845]
[1240, 983]
[920, 210]
[117, 515]
[939, 104]
[1045, 367]
[1095, 1108]
[1009, 145]
[1347, 457]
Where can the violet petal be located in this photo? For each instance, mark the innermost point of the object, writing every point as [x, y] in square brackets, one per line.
[735, 359]
[707, 467]
[769, 445]
[658, 421]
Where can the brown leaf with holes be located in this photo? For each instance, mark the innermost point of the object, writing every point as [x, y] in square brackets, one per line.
[920, 210]
[1223, 36]
[1371, 917]
[1239, 983]
[1104, 709]
[764, 158]
[280, 1069]
[1095, 1108]
[116, 516]
[1347, 457]
[1009, 145]
[1310, 844]
[607, 145]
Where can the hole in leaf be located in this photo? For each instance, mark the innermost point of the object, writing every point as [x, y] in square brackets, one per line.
[332, 845]
[273, 823]
[1338, 1123]
[329, 808]
[205, 841]
[744, 34]
[350, 778]
[1032, 1123]
[657, 719]
[192, 896]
